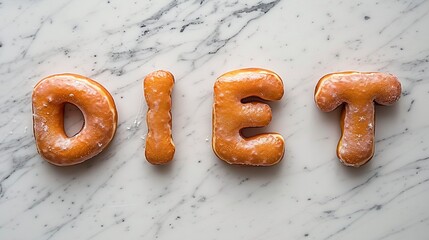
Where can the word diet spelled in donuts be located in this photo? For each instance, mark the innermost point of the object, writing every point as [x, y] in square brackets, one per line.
[357, 91]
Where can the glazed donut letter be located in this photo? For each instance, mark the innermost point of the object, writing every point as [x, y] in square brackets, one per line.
[230, 115]
[358, 90]
[157, 87]
[98, 108]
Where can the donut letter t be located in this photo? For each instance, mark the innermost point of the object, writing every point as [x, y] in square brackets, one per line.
[230, 116]
[358, 91]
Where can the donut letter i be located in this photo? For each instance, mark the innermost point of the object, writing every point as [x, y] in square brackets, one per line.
[157, 87]
[230, 116]
[359, 91]
[98, 108]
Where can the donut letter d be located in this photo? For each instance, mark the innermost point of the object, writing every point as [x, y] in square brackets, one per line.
[230, 116]
[98, 108]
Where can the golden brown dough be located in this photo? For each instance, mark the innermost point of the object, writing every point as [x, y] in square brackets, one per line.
[359, 91]
[230, 116]
[157, 89]
[98, 108]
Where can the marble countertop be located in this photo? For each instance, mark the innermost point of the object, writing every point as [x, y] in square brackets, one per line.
[309, 195]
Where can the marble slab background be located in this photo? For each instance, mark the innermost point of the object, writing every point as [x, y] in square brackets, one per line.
[309, 195]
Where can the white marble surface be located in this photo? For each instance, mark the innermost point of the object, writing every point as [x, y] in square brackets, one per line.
[309, 195]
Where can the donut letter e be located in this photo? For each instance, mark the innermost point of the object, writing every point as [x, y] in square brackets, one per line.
[98, 108]
[157, 87]
[358, 91]
[230, 116]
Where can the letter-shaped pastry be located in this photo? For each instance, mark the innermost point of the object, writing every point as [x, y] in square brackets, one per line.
[230, 116]
[359, 91]
[157, 88]
[98, 108]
